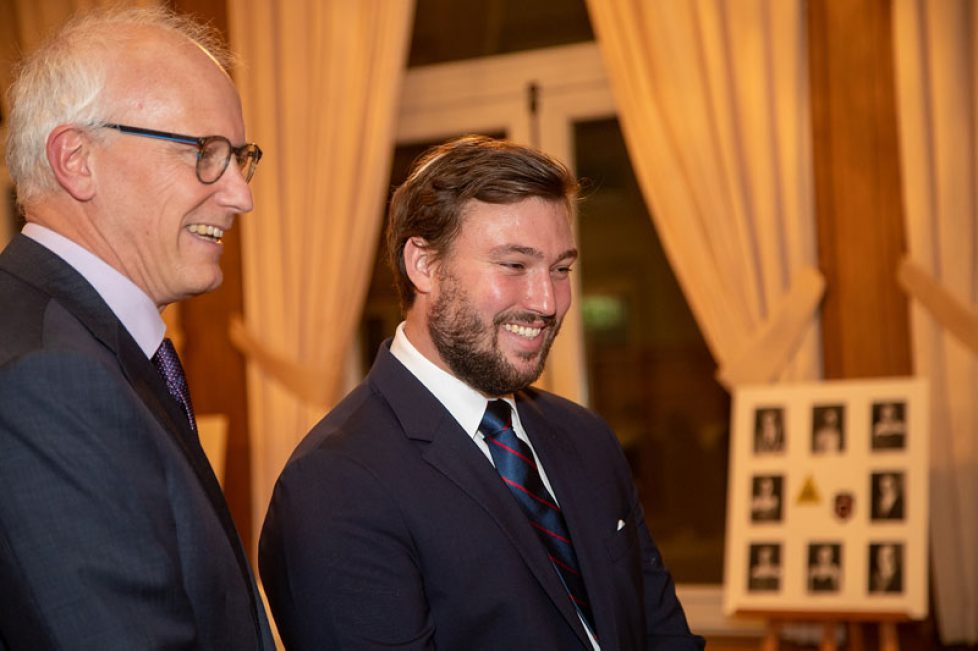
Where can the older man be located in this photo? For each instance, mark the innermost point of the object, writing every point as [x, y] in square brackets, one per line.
[445, 503]
[114, 533]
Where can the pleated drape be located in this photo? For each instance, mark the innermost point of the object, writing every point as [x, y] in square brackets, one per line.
[320, 86]
[936, 49]
[714, 104]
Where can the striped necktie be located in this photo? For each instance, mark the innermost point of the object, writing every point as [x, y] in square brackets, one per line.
[516, 466]
[168, 364]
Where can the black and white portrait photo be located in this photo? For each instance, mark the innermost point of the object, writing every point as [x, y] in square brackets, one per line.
[764, 573]
[889, 430]
[885, 568]
[888, 496]
[824, 567]
[828, 434]
[769, 430]
[766, 498]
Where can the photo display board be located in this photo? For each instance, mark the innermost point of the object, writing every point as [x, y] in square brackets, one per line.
[828, 497]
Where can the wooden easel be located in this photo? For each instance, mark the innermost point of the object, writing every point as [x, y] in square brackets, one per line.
[888, 639]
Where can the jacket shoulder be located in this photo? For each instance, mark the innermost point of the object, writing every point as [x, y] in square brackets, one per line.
[21, 323]
[352, 426]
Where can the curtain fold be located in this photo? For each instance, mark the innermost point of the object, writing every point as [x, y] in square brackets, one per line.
[320, 88]
[936, 56]
[714, 104]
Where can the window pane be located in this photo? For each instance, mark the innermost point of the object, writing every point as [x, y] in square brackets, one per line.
[450, 30]
[650, 373]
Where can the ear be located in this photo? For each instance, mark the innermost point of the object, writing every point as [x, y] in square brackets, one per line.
[69, 150]
[420, 264]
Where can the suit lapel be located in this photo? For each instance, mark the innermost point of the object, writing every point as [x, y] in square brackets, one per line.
[451, 451]
[41, 268]
[568, 475]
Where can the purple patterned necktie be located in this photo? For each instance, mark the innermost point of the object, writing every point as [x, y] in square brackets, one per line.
[168, 364]
[516, 466]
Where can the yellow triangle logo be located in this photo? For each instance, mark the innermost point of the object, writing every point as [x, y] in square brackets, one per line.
[809, 492]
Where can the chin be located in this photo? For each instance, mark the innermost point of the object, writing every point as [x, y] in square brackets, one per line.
[205, 285]
[529, 372]
[524, 363]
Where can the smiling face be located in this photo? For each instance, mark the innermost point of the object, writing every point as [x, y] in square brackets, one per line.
[490, 309]
[152, 219]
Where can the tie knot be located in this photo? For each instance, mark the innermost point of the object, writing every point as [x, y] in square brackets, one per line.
[498, 418]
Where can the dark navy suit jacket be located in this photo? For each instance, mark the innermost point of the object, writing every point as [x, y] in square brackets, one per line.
[389, 529]
[114, 533]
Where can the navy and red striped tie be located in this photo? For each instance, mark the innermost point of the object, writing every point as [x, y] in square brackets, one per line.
[516, 466]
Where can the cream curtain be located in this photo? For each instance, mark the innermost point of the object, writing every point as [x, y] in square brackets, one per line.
[320, 85]
[713, 102]
[936, 50]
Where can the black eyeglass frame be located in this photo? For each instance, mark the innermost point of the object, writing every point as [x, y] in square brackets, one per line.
[248, 151]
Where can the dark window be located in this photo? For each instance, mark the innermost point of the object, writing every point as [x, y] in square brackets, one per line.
[650, 373]
[450, 30]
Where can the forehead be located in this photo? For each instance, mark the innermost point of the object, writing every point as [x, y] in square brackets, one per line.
[534, 222]
[165, 81]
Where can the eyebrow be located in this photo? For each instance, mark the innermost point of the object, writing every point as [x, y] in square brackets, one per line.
[531, 252]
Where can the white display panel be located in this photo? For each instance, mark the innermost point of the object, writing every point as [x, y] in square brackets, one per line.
[828, 497]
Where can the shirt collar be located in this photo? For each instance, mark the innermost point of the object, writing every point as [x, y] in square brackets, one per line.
[137, 312]
[464, 403]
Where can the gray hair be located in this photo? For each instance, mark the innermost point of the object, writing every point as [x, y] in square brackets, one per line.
[61, 83]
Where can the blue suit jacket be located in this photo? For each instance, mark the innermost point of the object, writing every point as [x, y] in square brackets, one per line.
[114, 533]
[389, 529]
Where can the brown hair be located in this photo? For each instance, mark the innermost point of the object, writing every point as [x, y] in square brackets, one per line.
[431, 202]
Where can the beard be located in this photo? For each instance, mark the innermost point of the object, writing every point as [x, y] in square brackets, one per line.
[470, 346]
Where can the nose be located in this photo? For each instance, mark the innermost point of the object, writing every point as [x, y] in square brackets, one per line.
[234, 192]
[540, 294]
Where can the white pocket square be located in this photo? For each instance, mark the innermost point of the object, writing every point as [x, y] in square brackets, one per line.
[621, 525]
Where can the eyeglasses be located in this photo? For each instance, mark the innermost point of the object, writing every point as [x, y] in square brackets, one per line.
[213, 152]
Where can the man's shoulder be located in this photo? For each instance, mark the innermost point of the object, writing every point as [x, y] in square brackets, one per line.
[355, 426]
[22, 316]
[23, 296]
[36, 321]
